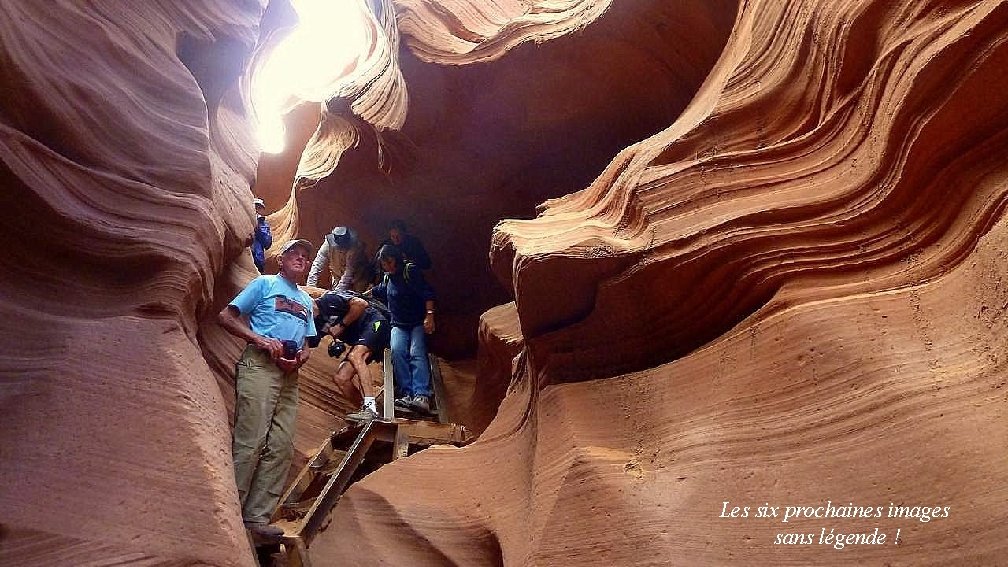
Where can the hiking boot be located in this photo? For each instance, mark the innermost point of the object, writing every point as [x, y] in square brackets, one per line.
[264, 532]
[363, 415]
[420, 404]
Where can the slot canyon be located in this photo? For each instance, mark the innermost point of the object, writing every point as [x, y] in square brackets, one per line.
[689, 255]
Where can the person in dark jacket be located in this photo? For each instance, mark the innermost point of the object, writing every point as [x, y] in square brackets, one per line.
[364, 329]
[411, 301]
[262, 238]
[412, 249]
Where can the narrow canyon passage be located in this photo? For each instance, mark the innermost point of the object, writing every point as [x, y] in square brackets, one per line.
[689, 257]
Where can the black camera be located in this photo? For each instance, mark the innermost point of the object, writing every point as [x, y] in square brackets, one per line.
[290, 350]
[337, 348]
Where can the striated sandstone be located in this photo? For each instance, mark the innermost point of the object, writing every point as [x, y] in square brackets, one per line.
[125, 160]
[792, 293]
[494, 138]
[499, 359]
[756, 255]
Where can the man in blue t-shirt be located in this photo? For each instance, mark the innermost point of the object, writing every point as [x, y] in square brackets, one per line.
[279, 318]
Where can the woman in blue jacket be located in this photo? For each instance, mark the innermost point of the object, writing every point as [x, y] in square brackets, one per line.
[411, 301]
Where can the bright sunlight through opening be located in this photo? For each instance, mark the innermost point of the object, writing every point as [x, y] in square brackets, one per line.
[308, 64]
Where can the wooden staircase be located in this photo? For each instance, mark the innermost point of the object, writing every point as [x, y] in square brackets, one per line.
[352, 453]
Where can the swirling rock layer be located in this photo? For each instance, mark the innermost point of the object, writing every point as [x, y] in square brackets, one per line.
[793, 294]
[786, 286]
[124, 166]
[863, 196]
[494, 138]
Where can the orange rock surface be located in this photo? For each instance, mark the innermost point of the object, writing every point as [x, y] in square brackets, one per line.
[125, 180]
[702, 251]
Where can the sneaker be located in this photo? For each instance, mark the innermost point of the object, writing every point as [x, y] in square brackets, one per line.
[403, 402]
[264, 531]
[420, 404]
[363, 415]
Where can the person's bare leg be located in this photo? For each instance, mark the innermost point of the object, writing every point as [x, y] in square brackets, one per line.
[358, 358]
[346, 374]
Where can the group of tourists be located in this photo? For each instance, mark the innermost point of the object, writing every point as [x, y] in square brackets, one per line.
[370, 305]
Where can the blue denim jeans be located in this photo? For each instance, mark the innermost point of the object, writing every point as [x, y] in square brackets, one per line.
[409, 362]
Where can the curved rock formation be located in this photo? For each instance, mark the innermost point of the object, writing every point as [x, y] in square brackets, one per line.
[865, 182]
[792, 294]
[786, 286]
[492, 140]
[467, 31]
[501, 344]
[125, 161]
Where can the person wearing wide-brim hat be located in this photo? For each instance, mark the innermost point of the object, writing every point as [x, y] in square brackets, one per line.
[343, 253]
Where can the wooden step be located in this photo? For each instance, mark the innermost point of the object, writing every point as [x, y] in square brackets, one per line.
[336, 457]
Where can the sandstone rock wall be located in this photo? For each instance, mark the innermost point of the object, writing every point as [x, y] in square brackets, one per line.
[125, 161]
[791, 294]
[786, 285]
[495, 129]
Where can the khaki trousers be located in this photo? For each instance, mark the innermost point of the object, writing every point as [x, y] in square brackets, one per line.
[265, 409]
